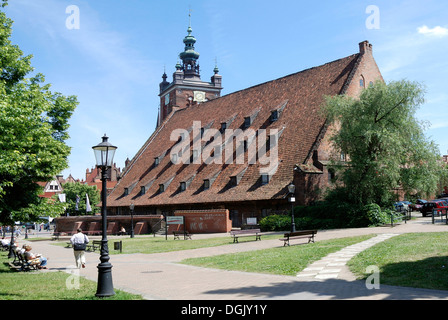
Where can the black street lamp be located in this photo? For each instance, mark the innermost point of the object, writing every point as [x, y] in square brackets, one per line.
[104, 154]
[292, 199]
[131, 208]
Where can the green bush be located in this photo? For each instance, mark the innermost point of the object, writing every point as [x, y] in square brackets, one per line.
[328, 215]
[375, 215]
[275, 223]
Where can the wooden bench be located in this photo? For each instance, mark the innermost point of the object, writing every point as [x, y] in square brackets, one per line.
[96, 244]
[177, 234]
[56, 235]
[21, 264]
[245, 233]
[298, 235]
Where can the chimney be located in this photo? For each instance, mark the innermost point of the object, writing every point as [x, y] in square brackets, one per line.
[365, 47]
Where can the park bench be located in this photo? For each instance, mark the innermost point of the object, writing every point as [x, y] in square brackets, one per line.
[21, 264]
[245, 233]
[96, 244]
[298, 235]
[185, 234]
[56, 235]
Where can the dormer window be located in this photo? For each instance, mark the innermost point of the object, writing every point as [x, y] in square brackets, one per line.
[183, 186]
[264, 179]
[223, 126]
[206, 184]
[143, 190]
[274, 116]
[194, 156]
[181, 137]
[156, 161]
[161, 188]
[247, 122]
[126, 191]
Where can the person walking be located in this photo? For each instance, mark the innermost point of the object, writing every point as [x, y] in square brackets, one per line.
[79, 242]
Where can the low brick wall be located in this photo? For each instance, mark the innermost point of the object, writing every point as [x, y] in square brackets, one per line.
[204, 221]
[142, 224]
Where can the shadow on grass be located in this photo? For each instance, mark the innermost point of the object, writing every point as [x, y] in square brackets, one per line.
[429, 273]
[7, 268]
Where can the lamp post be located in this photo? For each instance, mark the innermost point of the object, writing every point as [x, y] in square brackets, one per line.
[292, 199]
[104, 154]
[131, 208]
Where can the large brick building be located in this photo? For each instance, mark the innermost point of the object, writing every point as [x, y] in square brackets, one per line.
[282, 114]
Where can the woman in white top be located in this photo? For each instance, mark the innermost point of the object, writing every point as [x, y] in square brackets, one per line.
[79, 242]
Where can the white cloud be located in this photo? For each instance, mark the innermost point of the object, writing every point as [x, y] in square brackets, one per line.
[436, 31]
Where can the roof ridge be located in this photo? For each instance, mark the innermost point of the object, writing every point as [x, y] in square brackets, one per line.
[287, 76]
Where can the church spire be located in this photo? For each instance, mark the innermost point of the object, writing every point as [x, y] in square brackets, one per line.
[189, 56]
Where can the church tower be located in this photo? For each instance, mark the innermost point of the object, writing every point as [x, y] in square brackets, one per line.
[187, 88]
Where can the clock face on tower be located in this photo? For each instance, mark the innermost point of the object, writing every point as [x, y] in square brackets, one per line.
[199, 96]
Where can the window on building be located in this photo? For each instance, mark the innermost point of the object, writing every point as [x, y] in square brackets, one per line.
[126, 191]
[156, 161]
[234, 180]
[206, 184]
[331, 175]
[183, 186]
[274, 116]
[143, 190]
[223, 126]
[247, 122]
[161, 188]
[264, 179]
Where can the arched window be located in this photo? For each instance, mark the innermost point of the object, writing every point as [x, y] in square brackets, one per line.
[362, 82]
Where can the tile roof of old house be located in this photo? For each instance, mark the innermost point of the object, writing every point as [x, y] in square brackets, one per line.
[298, 97]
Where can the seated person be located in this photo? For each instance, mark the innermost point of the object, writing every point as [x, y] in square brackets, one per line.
[5, 243]
[122, 231]
[35, 258]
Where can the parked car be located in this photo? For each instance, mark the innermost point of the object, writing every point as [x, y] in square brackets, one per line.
[437, 205]
[445, 200]
[417, 206]
[401, 205]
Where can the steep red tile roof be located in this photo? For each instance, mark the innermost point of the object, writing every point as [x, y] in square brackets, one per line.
[298, 96]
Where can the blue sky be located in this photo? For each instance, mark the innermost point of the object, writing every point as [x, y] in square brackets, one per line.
[114, 61]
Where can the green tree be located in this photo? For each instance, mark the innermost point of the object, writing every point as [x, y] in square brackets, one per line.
[33, 126]
[72, 190]
[385, 143]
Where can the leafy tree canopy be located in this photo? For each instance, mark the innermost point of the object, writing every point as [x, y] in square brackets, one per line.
[385, 143]
[33, 126]
[72, 190]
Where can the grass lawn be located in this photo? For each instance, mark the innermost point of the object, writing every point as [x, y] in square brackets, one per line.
[40, 285]
[416, 260]
[159, 244]
[281, 260]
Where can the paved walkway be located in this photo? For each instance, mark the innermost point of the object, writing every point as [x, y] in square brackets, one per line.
[161, 276]
[332, 266]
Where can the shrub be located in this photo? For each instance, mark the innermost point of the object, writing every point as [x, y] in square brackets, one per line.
[275, 223]
[328, 215]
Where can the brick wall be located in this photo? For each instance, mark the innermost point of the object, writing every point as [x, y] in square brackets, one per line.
[142, 224]
[204, 221]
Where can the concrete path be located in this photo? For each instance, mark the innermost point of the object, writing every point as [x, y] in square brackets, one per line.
[160, 276]
[332, 266]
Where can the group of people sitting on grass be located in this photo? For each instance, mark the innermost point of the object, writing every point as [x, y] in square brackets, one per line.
[34, 259]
